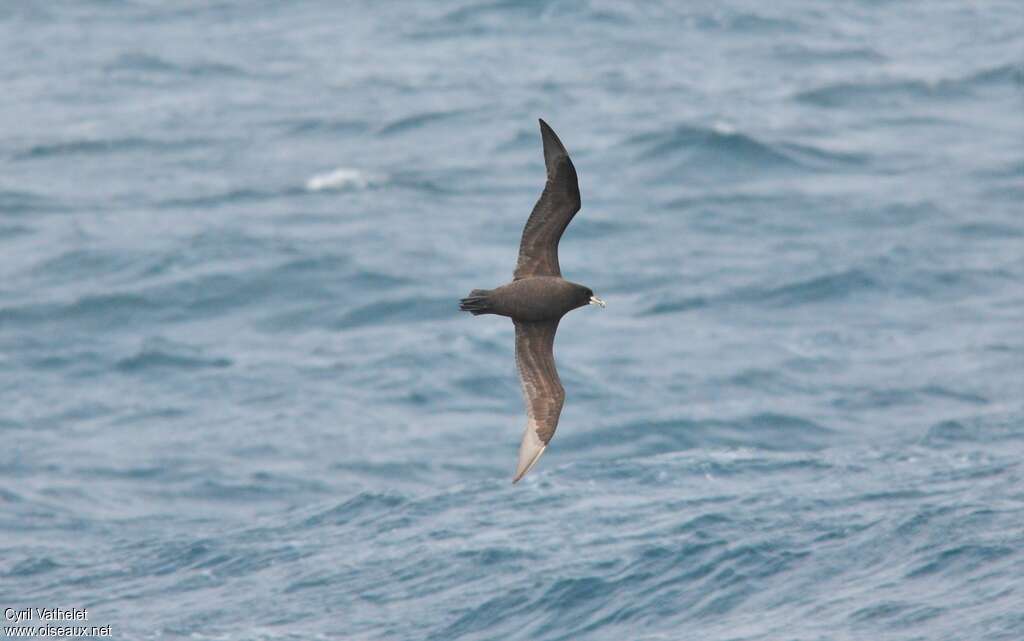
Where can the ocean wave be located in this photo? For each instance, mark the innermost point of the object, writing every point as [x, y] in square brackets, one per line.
[988, 230]
[427, 182]
[767, 432]
[745, 23]
[986, 428]
[13, 231]
[872, 93]
[867, 399]
[889, 91]
[721, 147]
[323, 125]
[20, 202]
[813, 157]
[677, 581]
[477, 12]
[156, 473]
[136, 269]
[722, 140]
[106, 146]
[361, 506]
[84, 263]
[148, 63]
[818, 289]
[229, 197]
[828, 287]
[1004, 75]
[260, 487]
[32, 566]
[899, 614]
[805, 54]
[407, 309]
[342, 178]
[164, 354]
[960, 559]
[878, 279]
[101, 309]
[211, 294]
[311, 312]
[417, 121]
[764, 380]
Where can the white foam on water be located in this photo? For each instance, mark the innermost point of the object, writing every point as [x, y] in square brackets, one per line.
[341, 178]
[722, 127]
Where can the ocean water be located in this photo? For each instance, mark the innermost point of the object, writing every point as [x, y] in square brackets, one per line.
[238, 401]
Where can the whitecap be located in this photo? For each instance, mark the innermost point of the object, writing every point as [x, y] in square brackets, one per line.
[723, 127]
[341, 178]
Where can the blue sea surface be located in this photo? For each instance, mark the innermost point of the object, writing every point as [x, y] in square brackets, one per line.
[238, 400]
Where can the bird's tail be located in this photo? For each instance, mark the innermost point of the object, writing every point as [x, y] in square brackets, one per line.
[478, 302]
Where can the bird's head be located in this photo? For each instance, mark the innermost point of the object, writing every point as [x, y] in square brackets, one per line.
[585, 296]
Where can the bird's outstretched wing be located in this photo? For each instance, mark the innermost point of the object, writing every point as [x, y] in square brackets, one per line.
[542, 389]
[558, 203]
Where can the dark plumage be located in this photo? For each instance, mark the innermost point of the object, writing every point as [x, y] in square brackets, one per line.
[537, 298]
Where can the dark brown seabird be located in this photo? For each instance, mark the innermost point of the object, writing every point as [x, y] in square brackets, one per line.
[537, 298]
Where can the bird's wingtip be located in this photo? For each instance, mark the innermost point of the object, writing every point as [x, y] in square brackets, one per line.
[530, 450]
[521, 470]
[546, 132]
[554, 150]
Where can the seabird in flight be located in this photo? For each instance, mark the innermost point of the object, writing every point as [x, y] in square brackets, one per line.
[537, 298]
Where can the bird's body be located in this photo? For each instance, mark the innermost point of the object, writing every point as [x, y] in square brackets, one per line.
[537, 299]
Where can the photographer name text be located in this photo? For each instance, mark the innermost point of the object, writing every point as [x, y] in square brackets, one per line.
[46, 614]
